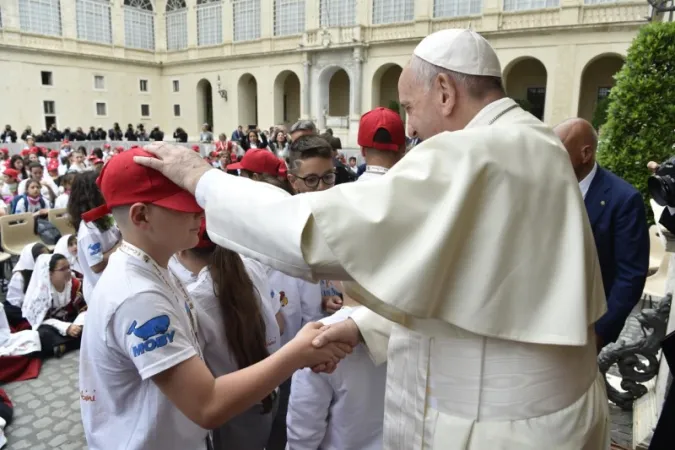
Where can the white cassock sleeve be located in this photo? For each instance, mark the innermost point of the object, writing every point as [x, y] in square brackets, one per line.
[265, 223]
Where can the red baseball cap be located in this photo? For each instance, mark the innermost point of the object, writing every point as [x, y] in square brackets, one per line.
[106, 145]
[381, 118]
[12, 173]
[195, 148]
[124, 182]
[54, 154]
[52, 165]
[261, 161]
[204, 240]
[4, 150]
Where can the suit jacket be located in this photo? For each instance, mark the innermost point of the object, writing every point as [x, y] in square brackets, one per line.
[617, 216]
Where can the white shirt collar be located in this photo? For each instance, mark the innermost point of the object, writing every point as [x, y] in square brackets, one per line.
[377, 170]
[585, 184]
[489, 112]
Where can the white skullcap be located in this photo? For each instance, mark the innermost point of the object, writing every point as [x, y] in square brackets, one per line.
[460, 50]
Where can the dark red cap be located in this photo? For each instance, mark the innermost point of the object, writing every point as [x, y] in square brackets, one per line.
[381, 118]
[204, 240]
[12, 173]
[25, 152]
[52, 165]
[54, 154]
[123, 182]
[261, 161]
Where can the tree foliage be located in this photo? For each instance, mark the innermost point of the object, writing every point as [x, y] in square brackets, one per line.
[640, 123]
[600, 113]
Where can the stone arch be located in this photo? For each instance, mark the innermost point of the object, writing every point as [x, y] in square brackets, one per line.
[335, 93]
[286, 98]
[597, 78]
[525, 81]
[204, 103]
[247, 93]
[384, 89]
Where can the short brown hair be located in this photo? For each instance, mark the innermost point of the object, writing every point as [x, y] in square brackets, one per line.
[306, 147]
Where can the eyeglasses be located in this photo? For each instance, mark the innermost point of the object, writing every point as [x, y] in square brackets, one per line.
[312, 181]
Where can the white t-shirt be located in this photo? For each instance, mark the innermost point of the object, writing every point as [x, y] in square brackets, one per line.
[21, 189]
[342, 410]
[61, 201]
[91, 245]
[182, 273]
[212, 337]
[137, 327]
[300, 302]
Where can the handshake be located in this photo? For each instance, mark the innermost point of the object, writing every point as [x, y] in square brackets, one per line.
[321, 347]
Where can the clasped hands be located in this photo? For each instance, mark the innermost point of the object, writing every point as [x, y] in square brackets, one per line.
[321, 347]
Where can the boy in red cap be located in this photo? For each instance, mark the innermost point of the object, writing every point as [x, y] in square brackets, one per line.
[262, 165]
[143, 382]
[382, 141]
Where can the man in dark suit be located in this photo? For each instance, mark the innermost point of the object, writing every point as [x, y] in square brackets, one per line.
[617, 216]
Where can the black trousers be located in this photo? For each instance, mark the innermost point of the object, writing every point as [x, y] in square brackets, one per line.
[51, 341]
[13, 313]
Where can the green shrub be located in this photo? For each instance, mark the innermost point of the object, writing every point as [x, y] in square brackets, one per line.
[640, 123]
[600, 113]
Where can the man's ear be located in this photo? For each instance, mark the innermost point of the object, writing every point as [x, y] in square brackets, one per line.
[587, 153]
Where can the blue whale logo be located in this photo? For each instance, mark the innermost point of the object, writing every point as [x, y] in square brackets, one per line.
[153, 327]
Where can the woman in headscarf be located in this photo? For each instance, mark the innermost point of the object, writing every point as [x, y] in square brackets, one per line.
[54, 305]
[67, 246]
[18, 284]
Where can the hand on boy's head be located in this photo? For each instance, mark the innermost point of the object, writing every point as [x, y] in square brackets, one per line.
[179, 164]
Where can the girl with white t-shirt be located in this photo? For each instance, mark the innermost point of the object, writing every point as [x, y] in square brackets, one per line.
[237, 329]
[96, 240]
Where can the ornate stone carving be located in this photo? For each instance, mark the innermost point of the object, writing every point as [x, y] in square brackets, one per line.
[633, 370]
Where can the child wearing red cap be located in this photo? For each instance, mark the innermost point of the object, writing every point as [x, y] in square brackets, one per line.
[143, 381]
[10, 185]
[262, 165]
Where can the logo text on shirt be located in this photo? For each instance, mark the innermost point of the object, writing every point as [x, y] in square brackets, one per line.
[94, 249]
[154, 333]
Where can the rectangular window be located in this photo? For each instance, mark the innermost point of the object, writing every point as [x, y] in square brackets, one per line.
[603, 92]
[393, 11]
[145, 110]
[209, 23]
[246, 23]
[176, 110]
[47, 78]
[101, 109]
[337, 13]
[176, 30]
[139, 28]
[536, 97]
[457, 8]
[524, 5]
[49, 107]
[143, 85]
[93, 21]
[289, 17]
[40, 16]
[176, 85]
[99, 82]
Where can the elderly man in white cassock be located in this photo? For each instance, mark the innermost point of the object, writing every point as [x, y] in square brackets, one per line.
[473, 256]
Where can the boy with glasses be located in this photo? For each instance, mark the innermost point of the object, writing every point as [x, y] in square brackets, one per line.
[311, 164]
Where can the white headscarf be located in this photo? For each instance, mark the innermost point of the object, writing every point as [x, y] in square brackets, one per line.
[41, 295]
[61, 248]
[26, 260]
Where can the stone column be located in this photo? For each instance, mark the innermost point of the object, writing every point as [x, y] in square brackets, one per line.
[305, 112]
[355, 88]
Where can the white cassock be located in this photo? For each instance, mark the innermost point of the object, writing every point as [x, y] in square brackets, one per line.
[476, 261]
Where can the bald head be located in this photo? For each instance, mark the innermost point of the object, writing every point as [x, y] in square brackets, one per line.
[581, 141]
